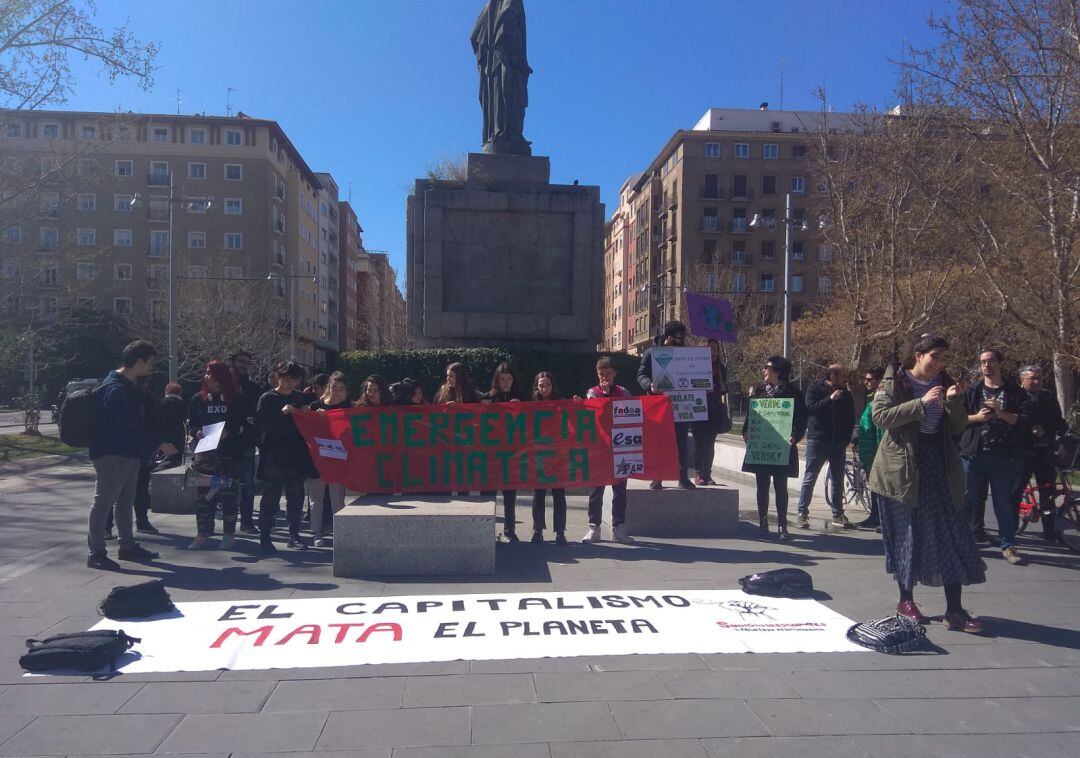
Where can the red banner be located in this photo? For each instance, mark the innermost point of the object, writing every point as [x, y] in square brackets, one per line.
[445, 448]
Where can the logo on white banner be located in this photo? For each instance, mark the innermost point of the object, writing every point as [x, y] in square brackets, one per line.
[629, 464]
[626, 411]
[332, 449]
[624, 440]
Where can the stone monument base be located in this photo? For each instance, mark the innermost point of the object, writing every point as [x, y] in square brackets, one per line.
[170, 492]
[423, 535]
[671, 512]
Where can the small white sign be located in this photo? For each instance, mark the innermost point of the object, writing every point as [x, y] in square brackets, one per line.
[627, 439]
[332, 449]
[211, 437]
[629, 464]
[626, 412]
[681, 368]
[689, 405]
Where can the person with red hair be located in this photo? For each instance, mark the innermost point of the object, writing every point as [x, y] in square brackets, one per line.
[218, 401]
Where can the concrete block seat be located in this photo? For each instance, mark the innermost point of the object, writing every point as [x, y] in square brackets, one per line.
[672, 512]
[415, 535]
[170, 492]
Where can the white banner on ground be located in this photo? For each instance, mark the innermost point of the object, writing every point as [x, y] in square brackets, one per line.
[270, 634]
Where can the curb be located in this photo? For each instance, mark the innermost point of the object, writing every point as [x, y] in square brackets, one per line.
[26, 465]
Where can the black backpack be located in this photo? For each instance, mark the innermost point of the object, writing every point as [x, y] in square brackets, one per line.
[82, 651]
[785, 582]
[895, 634]
[81, 416]
[136, 601]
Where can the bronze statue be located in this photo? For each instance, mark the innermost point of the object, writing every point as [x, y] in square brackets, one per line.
[498, 40]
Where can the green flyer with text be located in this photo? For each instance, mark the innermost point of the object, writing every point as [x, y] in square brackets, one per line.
[768, 431]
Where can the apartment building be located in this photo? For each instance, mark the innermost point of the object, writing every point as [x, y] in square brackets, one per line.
[329, 315]
[381, 306]
[352, 250]
[683, 224]
[92, 203]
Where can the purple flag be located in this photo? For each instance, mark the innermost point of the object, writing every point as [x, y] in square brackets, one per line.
[710, 317]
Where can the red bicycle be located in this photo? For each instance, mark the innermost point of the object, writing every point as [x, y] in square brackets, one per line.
[1067, 513]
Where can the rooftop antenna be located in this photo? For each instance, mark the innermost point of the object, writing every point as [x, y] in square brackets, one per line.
[781, 85]
[228, 101]
[178, 101]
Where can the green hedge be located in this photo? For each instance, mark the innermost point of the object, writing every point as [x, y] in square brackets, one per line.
[574, 372]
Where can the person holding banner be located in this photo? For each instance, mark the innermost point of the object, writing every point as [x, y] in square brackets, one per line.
[778, 384]
[918, 480]
[607, 388]
[544, 390]
[504, 389]
[674, 336]
[374, 392]
[719, 421]
[335, 397]
[457, 388]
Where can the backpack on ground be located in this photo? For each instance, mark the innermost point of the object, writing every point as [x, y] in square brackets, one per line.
[136, 601]
[82, 651]
[895, 634]
[785, 582]
[81, 417]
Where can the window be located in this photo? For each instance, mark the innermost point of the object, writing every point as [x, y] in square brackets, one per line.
[48, 166]
[50, 204]
[738, 282]
[234, 272]
[84, 271]
[710, 222]
[767, 282]
[738, 253]
[159, 173]
[50, 131]
[13, 234]
[234, 241]
[768, 185]
[87, 237]
[86, 302]
[159, 134]
[739, 186]
[13, 129]
[87, 167]
[742, 150]
[796, 283]
[798, 151]
[121, 238]
[708, 252]
[159, 310]
[198, 204]
[48, 306]
[49, 237]
[234, 206]
[157, 277]
[159, 243]
[234, 172]
[197, 136]
[824, 284]
[770, 150]
[196, 170]
[233, 137]
[122, 203]
[738, 220]
[87, 131]
[50, 275]
[278, 219]
[768, 250]
[125, 168]
[712, 149]
[710, 281]
[196, 240]
[798, 185]
[86, 201]
[11, 269]
[157, 208]
[196, 272]
[278, 252]
[825, 253]
[121, 306]
[798, 250]
[122, 272]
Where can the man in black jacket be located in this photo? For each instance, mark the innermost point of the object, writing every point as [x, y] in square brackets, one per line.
[250, 392]
[828, 433]
[1045, 423]
[674, 336]
[992, 449]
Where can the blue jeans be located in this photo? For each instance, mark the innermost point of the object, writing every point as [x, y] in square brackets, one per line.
[993, 473]
[818, 452]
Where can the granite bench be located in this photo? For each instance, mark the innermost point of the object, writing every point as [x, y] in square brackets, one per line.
[671, 512]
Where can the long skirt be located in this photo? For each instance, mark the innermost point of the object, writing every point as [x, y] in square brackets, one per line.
[931, 544]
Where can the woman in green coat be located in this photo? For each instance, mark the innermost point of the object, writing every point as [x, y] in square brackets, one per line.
[918, 481]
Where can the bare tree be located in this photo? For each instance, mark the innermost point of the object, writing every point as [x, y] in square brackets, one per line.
[449, 168]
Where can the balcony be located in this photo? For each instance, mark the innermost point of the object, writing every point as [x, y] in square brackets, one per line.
[738, 226]
[741, 258]
[712, 193]
[711, 224]
[741, 193]
[158, 179]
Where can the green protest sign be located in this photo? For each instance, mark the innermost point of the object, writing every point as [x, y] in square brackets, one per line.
[768, 429]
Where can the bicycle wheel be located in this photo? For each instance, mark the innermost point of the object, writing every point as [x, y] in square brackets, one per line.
[858, 492]
[1067, 523]
[828, 488]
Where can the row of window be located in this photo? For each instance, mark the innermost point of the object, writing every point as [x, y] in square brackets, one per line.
[158, 204]
[49, 239]
[741, 256]
[767, 283]
[196, 135]
[769, 150]
[157, 275]
[159, 171]
[48, 306]
[740, 186]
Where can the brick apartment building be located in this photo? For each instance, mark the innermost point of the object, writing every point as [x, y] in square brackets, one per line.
[683, 224]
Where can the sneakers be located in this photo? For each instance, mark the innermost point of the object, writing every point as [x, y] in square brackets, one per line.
[982, 537]
[295, 543]
[136, 553]
[323, 542]
[802, 521]
[593, 535]
[908, 609]
[248, 529]
[560, 538]
[1013, 556]
[537, 538]
[147, 528]
[841, 522]
[783, 535]
[686, 484]
[102, 563]
[228, 541]
[511, 537]
[656, 485]
[870, 523]
[266, 546]
[962, 621]
[619, 534]
[202, 542]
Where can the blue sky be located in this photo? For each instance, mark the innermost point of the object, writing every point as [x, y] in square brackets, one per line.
[374, 91]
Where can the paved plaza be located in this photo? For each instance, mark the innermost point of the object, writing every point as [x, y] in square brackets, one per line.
[1013, 692]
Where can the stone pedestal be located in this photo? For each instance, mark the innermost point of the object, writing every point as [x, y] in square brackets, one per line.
[170, 493]
[704, 512]
[505, 259]
[402, 535]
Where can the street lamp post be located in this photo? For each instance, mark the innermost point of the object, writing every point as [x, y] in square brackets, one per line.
[790, 222]
[292, 277]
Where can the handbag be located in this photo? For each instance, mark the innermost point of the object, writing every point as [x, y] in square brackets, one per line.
[895, 634]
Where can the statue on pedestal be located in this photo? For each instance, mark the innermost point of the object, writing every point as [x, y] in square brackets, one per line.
[498, 40]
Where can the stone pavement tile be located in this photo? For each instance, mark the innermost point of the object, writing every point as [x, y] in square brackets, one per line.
[469, 689]
[629, 749]
[70, 624]
[252, 732]
[25, 626]
[168, 755]
[377, 753]
[726, 684]
[355, 672]
[545, 722]
[405, 727]
[66, 735]
[564, 687]
[862, 685]
[1051, 682]
[686, 718]
[11, 723]
[968, 745]
[166, 676]
[66, 699]
[337, 694]
[796, 718]
[199, 697]
[533, 750]
[986, 715]
[649, 662]
[785, 747]
[529, 665]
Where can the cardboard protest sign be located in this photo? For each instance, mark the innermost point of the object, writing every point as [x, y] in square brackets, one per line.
[688, 405]
[681, 368]
[710, 317]
[768, 431]
[445, 448]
